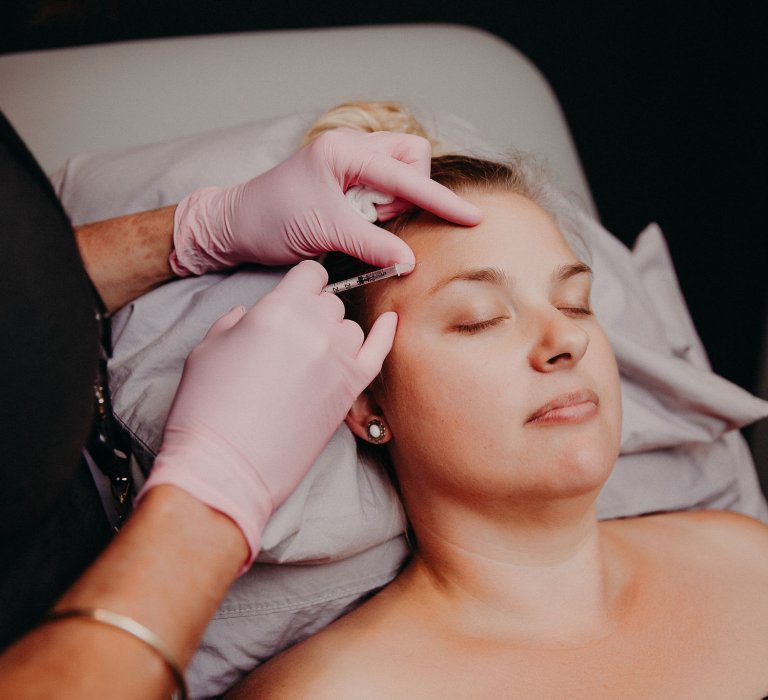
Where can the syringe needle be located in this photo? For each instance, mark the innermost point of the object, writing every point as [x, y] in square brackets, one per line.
[366, 278]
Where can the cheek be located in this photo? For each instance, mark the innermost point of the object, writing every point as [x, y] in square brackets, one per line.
[422, 386]
[606, 374]
[441, 402]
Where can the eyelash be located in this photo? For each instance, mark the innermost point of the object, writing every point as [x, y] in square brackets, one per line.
[474, 327]
[482, 325]
[578, 310]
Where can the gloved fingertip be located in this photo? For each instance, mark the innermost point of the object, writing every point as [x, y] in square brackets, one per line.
[233, 315]
[393, 250]
[390, 318]
[478, 213]
[228, 320]
[472, 214]
[408, 258]
[378, 343]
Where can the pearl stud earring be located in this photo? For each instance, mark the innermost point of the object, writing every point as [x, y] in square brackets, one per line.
[376, 430]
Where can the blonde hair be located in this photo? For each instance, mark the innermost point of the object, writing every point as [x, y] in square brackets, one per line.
[370, 116]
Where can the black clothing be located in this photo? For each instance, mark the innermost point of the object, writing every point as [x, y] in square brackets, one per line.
[52, 523]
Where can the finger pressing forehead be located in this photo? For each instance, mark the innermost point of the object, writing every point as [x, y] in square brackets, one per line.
[399, 179]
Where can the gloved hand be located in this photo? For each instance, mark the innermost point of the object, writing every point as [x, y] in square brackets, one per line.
[261, 396]
[298, 210]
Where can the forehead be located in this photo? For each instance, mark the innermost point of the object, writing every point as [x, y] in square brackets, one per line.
[516, 235]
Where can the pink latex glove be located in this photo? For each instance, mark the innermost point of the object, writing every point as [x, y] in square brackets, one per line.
[261, 396]
[298, 210]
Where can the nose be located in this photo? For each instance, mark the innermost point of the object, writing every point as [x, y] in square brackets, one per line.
[560, 342]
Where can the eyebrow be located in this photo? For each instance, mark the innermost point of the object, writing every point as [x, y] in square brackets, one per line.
[499, 277]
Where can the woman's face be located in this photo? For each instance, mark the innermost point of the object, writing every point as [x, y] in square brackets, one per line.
[494, 323]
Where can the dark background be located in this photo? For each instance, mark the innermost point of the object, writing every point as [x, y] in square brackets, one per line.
[663, 101]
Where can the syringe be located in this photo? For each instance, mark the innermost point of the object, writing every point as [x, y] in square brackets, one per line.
[374, 276]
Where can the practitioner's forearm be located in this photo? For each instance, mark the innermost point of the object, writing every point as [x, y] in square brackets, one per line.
[127, 256]
[168, 569]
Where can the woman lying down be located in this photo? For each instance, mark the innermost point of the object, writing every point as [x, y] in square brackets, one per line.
[498, 412]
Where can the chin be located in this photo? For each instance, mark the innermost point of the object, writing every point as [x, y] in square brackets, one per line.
[583, 463]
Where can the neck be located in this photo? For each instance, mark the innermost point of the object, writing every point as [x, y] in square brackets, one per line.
[547, 574]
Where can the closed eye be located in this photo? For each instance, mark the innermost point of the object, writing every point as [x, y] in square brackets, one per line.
[481, 325]
[576, 310]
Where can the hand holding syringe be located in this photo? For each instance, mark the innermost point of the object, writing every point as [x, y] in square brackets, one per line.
[374, 276]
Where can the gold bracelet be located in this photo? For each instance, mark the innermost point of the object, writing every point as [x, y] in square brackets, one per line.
[135, 629]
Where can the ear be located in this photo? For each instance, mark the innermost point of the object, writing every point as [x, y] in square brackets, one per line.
[363, 411]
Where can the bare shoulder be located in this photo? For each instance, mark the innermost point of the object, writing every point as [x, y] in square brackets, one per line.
[307, 670]
[738, 539]
[729, 521]
[324, 666]
[740, 534]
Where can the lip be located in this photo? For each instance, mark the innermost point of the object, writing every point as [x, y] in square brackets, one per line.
[570, 407]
